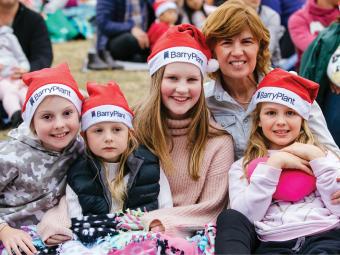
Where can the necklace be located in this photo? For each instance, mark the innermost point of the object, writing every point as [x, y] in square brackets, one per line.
[240, 102]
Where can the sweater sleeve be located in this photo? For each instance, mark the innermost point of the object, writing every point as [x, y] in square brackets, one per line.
[326, 170]
[73, 206]
[299, 31]
[252, 199]
[318, 126]
[183, 220]
[55, 222]
[164, 197]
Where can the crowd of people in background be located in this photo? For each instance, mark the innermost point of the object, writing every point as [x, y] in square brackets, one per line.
[171, 165]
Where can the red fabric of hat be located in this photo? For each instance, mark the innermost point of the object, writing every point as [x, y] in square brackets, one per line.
[289, 89]
[161, 6]
[54, 81]
[182, 43]
[105, 103]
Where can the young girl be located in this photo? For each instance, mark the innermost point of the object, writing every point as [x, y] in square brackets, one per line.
[115, 174]
[174, 123]
[34, 161]
[280, 131]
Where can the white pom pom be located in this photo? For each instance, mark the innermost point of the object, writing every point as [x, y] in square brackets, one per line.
[212, 65]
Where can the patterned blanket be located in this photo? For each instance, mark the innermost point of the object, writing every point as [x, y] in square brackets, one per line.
[123, 233]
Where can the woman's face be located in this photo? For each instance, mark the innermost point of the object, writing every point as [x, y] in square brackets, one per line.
[237, 55]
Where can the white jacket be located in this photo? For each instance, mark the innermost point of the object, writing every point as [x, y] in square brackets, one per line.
[278, 220]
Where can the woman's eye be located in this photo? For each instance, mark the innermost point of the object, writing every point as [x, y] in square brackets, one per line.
[99, 130]
[226, 42]
[116, 129]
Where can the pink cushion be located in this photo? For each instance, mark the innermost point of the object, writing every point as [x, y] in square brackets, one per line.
[293, 184]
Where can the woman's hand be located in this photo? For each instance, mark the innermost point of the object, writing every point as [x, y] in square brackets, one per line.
[283, 159]
[57, 239]
[16, 240]
[304, 151]
[156, 226]
[141, 36]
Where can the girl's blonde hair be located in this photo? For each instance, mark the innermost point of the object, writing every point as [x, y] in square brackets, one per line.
[152, 130]
[229, 20]
[117, 186]
[258, 144]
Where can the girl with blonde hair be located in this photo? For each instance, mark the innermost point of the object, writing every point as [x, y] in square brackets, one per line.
[285, 181]
[174, 123]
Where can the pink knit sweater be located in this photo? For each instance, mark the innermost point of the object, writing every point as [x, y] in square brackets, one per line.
[196, 203]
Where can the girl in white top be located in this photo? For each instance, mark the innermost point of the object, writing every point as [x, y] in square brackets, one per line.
[280, 131]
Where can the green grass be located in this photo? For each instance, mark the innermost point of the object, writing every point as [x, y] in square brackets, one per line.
[134, 84]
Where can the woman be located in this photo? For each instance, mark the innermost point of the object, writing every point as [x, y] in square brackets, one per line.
[240, 43]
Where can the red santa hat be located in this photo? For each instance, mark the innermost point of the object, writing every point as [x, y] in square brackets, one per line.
[55, 81]
[288, 89]
[182, 43]
[105, 103]
[161, 6]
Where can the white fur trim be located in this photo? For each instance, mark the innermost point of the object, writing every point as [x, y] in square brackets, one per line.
[103, 113]
[178, 54]
[213, 65]
[164, 7]
[52, 89]
[284, 97]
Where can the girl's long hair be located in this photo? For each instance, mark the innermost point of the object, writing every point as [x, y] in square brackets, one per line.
[117, 186]
[152, 129]
[258, 144]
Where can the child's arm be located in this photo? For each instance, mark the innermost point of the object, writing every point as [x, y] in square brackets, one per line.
[254, 198]
[55, 225]
[327, 170]
[164, 197]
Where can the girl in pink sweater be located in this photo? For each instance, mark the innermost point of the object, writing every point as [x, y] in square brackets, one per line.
[175, 124]
[287, 225]
[305, 24]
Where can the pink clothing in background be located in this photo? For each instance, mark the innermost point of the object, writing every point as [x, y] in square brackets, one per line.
[71, 3]
[305, 24]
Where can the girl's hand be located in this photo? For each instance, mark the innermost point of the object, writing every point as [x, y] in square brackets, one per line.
[305, 151]
[57, 239]
[156, 226]
[282, 159]
[14, 239]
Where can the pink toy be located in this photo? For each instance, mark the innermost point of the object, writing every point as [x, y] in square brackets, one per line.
[293, 184]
